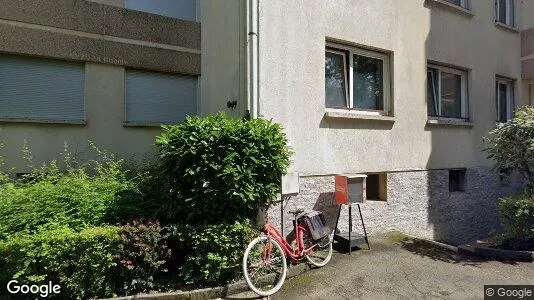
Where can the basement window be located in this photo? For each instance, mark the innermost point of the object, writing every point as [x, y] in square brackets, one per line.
[457, 180]
[376, 187]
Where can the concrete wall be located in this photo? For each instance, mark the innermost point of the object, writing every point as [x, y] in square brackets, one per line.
[104, 94]
[107, 38]
[419, 203]
[292, 43]
[223, 56]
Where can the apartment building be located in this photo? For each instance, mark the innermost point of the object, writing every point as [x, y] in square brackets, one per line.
[401, 91]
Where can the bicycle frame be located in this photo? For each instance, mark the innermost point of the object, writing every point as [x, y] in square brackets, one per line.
[294, 254]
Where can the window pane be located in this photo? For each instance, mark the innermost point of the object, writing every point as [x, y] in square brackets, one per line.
[432, 92]
[335, 80]
[368, 83]
[503, 97]
[180, 9]
[41, 89]
[455, 2]
[502, 11]
[451, 95]
[153, 97]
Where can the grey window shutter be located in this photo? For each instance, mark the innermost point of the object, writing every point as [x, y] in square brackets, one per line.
[180, 9]
[159, 98]
[41, 89]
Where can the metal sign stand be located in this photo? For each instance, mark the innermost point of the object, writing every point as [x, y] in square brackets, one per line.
[353, 239]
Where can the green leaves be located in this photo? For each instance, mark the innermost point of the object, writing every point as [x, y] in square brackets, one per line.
[242, 160]
[518, 218]
[511, 145]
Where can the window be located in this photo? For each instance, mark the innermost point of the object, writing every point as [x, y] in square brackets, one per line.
[376, 187]
[457, 180]
[356, 78]
[462, 3]
[180, 9]
[41, 89]
[504, 94]
[159, 98]
[504, 12]
[447, 92]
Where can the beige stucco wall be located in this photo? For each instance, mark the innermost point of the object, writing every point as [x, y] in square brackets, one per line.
[223, 43]
[292, 41]
[104, 94]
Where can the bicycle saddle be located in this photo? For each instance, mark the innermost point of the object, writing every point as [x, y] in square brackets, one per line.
[296, 211]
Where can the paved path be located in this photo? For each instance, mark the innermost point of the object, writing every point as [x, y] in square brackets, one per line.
[402, 269]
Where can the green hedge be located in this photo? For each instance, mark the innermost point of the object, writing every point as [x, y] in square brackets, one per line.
[95, 262]
[518, 219]
[220, 169]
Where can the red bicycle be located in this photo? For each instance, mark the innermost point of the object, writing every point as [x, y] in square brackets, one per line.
[264, 262]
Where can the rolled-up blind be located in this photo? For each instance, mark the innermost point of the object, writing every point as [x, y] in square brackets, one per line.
[180, 9]
[159, 98]
[41, 89]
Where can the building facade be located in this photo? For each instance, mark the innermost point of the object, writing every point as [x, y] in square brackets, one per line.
[402, 91]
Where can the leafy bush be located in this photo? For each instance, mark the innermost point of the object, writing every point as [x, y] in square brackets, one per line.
[95, 262]
[214, 252]
[81, 263]
[518, 218]
[511, 145]
[221, 169]
[77, 197]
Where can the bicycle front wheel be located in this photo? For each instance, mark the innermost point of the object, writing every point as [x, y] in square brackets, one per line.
[322, 249]
[264, 266]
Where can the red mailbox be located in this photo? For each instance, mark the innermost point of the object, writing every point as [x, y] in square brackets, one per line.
[349, 188]
[341, 194]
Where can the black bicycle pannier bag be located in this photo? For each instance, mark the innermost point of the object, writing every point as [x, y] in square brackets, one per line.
[316, 224]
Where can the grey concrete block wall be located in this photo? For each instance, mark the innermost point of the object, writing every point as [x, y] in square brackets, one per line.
[419, 203]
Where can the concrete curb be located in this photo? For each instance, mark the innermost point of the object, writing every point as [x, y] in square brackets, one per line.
[434, 243]
[494, 253]
[212, 293]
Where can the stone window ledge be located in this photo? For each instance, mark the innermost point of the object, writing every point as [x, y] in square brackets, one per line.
[507, 27]
[337, 113]
[42, 121]
[449, 122]
[455, 8]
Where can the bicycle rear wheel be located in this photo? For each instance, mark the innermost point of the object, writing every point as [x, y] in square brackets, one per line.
[264, 266]
[321, 253]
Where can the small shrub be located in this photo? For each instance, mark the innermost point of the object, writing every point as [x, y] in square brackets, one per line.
[83, 263]
[511, 145]
[95, 262]
[214, 252]
[518, 218]
[220, 169]
[77, 197]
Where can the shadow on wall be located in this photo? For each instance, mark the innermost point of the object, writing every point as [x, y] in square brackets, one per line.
[461, 204]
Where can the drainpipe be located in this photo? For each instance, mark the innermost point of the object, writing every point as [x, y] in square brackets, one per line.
[252, 57]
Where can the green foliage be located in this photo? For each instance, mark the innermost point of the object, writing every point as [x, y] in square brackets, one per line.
[511, 145]
[95, 262]
[221, 169]
[82, 262]
[518, 218]
[215, 252]
[73, 198]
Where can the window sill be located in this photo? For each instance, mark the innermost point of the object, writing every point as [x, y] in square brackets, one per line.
[65, 122]
[507, 27]
[449, 122]
[336, 113]
[455, 8]
[142, 124]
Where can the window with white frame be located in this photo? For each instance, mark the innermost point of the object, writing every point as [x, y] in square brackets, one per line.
[180, 9]
[504, 95]
[505, 11]
[39, 89]
[159, 98]
[357, 78]
[447, 92]
[461, 3]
